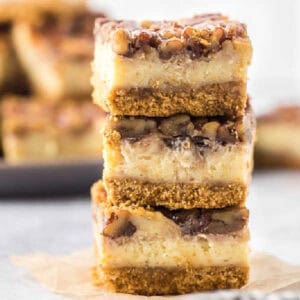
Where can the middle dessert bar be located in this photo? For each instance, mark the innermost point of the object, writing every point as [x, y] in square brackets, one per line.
[196, 66]
[178, 161]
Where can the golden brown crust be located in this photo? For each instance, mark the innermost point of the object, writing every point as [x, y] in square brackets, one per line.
[228, 99]
[175, 195]
[162, 281]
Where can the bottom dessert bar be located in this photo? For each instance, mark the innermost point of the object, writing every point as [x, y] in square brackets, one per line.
[33, 130]
[278, 143]
[157, 251]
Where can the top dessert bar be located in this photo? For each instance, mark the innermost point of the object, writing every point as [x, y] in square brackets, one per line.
[278, 143]
[196, 66]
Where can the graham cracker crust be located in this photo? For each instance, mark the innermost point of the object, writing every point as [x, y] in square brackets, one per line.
[163, 281]
[218, 99]
[175, 195]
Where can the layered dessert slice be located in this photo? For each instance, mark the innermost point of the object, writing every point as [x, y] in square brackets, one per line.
[36, 131]
[178, 161]
[196, 66]
[278, 138]
[156, 251]
[56, 53]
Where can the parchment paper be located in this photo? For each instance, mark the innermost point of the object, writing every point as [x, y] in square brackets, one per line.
[71, 275]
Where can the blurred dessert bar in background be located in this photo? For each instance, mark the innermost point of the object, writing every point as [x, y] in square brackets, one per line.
[196, 66]
[33, 10]
[46, 49]
[278, 138]
[12, 78]
[33, 130]
[154, 250]
[179, 161]
[56, 53]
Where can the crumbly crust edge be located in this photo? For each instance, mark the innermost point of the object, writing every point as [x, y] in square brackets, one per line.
[162, 281]
[217, 99]
[175, 195]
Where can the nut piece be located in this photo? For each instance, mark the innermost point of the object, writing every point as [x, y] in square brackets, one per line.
[226, 135]
[218, 35]
[120, 42]
[135, 128]
[167, 34]
[146, 24]
[119, 225]
[189, 32]
[170, 46]
[241, 130]
[210, 129]
[230, 220]
[176, 126]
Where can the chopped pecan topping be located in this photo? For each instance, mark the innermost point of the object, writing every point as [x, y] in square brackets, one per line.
[119, 225]
[176, 125]
[199, 36]
[207, 221]
[181, 131]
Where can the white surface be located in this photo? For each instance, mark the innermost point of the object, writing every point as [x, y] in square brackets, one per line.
[64, 225]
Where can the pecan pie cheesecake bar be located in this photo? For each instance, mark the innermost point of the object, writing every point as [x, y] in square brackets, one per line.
[196, 66]
[278, 138]
[37, 131]
[178, 161]
[156, 251]
[56, 53]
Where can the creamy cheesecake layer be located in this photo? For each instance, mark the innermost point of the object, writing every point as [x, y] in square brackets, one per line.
[197, 252]
[148, 70]
[152, 161]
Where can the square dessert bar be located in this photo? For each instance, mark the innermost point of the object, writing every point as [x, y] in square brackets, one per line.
[278, 138]
[196, 66]
[178, 161]
[56, 53]
[37, 131]
[156, 251]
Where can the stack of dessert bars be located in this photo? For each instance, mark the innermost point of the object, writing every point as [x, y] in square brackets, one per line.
[169, 215]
